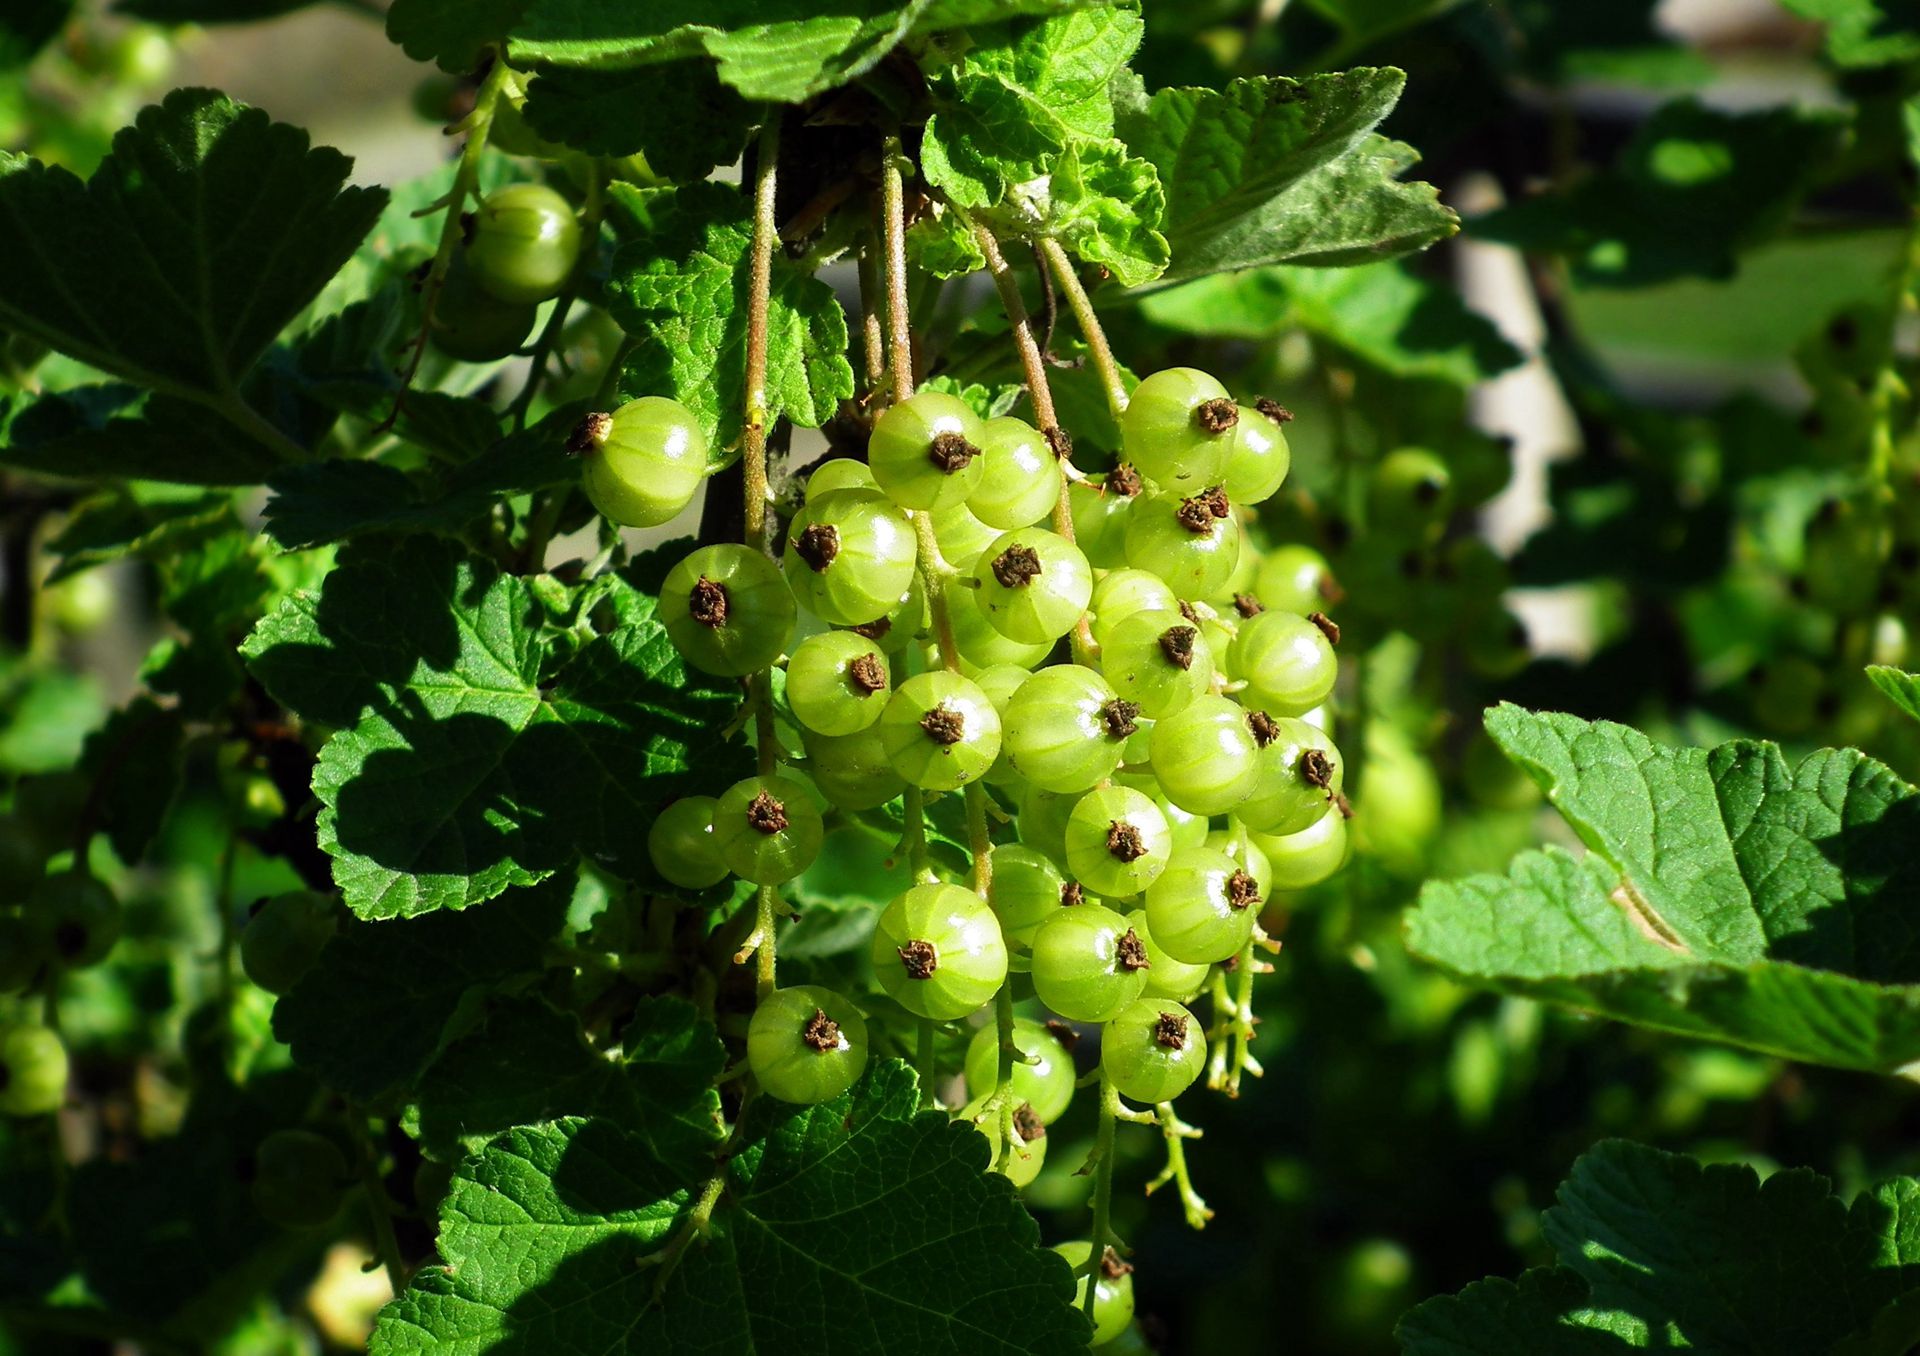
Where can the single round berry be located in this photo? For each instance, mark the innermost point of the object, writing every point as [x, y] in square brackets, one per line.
[1066, 728]
[1153, 1050]
[1286, 661]
[1296, 579]
[940, 731]
[1019, 475]
[806, 1044]
[1202, 907]
[1042, 821]
[1241, 844]
[300, 1179]
[766, 829]
[1259, 461]
[1205, 756]
[1117, 841]
[938, 952]
[681, 846]
[1101, 510]
[1112, 1290]
[1192, 543]
[284, 938]
[840, 473]
[925, 451]
[1409, 494]
[1000, 682]
[1157, 660]
[1088, 963]
[523, 243]
[1298, 860]
[961, 536]
[727, 610]
[1027, 889]
[1188, 829]
[1120, 594]
[838, 682]
[1043, 1072]
[77, 917]
[850, 557]
[473, 325]
[980, 645]
[1166, 977]
[1178, 429]
[1300, 775]
[1033, 585]
[33, 1070]
[852, 771]
[1026, 1152]
[644, 462]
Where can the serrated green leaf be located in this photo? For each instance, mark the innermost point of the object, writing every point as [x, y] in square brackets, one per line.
[859, 1225]
[681, 290]
[117, 432]
[147, 521]
[451, 33]
[1902, 689]
[1726, 895]
[1106, 206]
[1865, 32]
[462, 766]
[382, 998]
[943, 245]
[134, 765]
[676, 114]
[1658, 1251]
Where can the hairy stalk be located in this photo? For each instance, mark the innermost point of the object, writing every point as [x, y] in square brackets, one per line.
[1090, 329]
[893, 226]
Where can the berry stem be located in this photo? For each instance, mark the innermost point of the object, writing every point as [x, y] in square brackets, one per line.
[763, 956]
[1177, 1133]
[549, 338]
[893, 225]
[1101, 1230]
[873, 336]
[759, 290]
[1090, 328]
[379, 1207]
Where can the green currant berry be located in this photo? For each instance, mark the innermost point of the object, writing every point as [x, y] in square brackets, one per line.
[906, 623]
[852, 771]
[1000, 682]
[1498, 646]
[1402, 801]
[1202, 907]
[284, 938]
[1192, 543]
[1409, 495]
[33, 1070]
[1158, 661]
[1033, 585]
[1066, 728]
[1043, 1072]
[1112, 1293]
[850, 557]
[1153, 1050]
[1178, 429]
[1117, 842]
[78, 918]
[727, 610]
[1300, 774]
[1120, 594]
[473, 325]
[1259, 460]
[766, 829]
[840, 473]
[960, 536]
[523, 243]
[644, 462]
[1166, 977]
[1087, 963]
[806, 1044]
[1027, 889]
[1043, 820]
[940, 731]
[1238, 842]
[1027, 1151]
[1101, 511]
[1019, 475]
[980, 645]
[1286, 661]
[681, 846]
[938, 952]
[925, 451]
[837, 682]
[1205, 756]
[1308, 857]
[300, 1179]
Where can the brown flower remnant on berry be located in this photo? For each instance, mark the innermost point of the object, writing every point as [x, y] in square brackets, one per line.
[1316, 770]
[1274, 410]
[1124, 481]
[920, 958]
[1030, 1126]
[707, 603]
[1123, 841]
[1058, 440]
[1247, 605]
[1120, 717]
[1171, 1031]
[1197, 514]
[818, 544]
[1265, 729]
[1189, 611]
[821, 1032]
[1063, 1033]
[1112, 1267]
[944, 725]
[1017, 566]
[1176, 643]
[1071, 894]
[951, 452]
[1216, 416]
[866, 674]
[1242, 891]
[1132, 952]
[590, 434]
[766, 814]
[1328, 627]
[874, 629]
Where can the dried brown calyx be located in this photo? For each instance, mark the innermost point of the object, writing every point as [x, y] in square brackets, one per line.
[1058, 440]
[707, 603]
[1124, 841]
[1063, 1033]
[1132, 952]
[1123, 480]
[1112, 1267]
[590, 434]
[1216, 416]
[1122, 718]
[766, 814]
[1016, 567]
[1274, 410]
[1247, 605]
[1328, 627]
[1265, 729]
[873, 630]
[951, 452]
[920, 959]
[821, 1032]
[1199, 513]
[1071, 894]
[1176, 643]
[867, 674]
[1029, 1125]
[1171, 1031]
[1243, 891]
[944, 725]
[817, 544]
[1316, 770]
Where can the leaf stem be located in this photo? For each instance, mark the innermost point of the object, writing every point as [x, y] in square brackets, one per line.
[1098, 349]
[893, 225]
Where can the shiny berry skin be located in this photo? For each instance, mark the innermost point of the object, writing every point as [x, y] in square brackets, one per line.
[1042, 821]
[300, 1179]
[284, 938]
[1301, 775]
[1157, 660]
[1124, 593]
[1187, 828]
[1019, 476]
[33, 1070]
[1286, 661]
[1117, 842]
[1178, 429]
[840, 473]
[1045, 1084]
[850, 557]
[938, 953]
[681, 846]
[523, 243]
[1202, 907]
[643, 463]
[806, 1044]
[852, 771]
[980, 645]
[766, 829]
[1205, 756]
[1026, 1152]
[1242, 844]
[473, 325]
[1033, 585]
[1000, 682]
[1259, 461]
[1112, 1291]
[1066, 728]
[940, 731]
[1101, 511]
[1153, 1050]
[1409, 495]
[1166, 977]
[77, 917]
[1297, 860]
[838, 682]
[1026, 890]
[1191, 543]
[961, 536]
[925, 451]
[1296, 579]
[727, 610]
[1087, 963]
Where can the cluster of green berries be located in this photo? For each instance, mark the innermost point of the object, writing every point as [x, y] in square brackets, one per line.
[520, 247]
[49, 923]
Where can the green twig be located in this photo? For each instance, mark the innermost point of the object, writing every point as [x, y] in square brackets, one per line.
[1098, 349]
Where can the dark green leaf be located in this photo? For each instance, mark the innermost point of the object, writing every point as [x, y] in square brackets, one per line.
[451, 32]
[678, 115]
[133, 763]
[115, 432]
